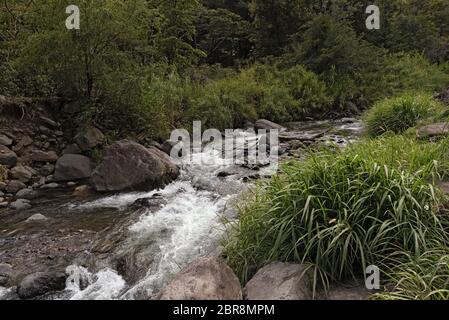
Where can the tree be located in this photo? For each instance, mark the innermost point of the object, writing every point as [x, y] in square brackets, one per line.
[275, 21]
[223, 35]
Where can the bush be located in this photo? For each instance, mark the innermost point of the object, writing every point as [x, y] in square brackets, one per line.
[413, 72]
[261, 91]
[342, 212]
[399, 113]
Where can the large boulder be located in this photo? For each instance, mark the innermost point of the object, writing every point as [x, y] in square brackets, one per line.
[89, 138]
[73, 167]
[263, 124]
[281, 281]
[129, 165]
[40, 283]
[434, 130]
[8, 157]
[204, 279]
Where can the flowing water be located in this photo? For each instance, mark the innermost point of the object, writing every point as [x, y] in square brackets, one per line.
[117, 251]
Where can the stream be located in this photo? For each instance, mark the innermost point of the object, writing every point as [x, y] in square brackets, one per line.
[115, 248]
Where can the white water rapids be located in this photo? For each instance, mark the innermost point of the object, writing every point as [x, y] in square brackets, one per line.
[188, 225]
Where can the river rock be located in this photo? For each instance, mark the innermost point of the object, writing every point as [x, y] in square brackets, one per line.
[72, 167]
[154, 203]
[6, 273]
[6, 141]
[37, 218]
[20, 204]
[14, 186]
[50, 186]
[263, 124]
[433, 130]
[8, 157]
[40, 283]
[348, 292]
[22, 173]
[204, 279]
[28, 194]
[281, 281]
[47, 169]
[43, 156]
[89, 138]
[129, 165]
[72, 149]
[82, 191]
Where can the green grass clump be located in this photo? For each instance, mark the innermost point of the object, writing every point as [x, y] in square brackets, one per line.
[400, 113]
[344, 211]
[420, 278]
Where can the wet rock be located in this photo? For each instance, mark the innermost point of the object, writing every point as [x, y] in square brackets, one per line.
[49, 186]
[6, 273]
[2, 186]
[20, 204]
[47, 169]
[8, 157]
[72, 149]
[40, 283]
[263, 124]
[43, 156]
[168, 145]
[37, 218]
[28, 194]
[82, 191]
[22, 173]
[204, 279]
[6, 141]
[14, 186]
[89, 139]
[129, 165]
[281, 281]
[434, 130]
[73, 167]
[153, 203]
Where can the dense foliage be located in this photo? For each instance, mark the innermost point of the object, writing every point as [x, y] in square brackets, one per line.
[171, 61]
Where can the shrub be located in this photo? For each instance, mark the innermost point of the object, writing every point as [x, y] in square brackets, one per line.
[399, 113]
[342, 212]
[413, 72]
[261, 91]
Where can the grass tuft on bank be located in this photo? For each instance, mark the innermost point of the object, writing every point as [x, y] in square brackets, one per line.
[399, 113]
[342, 212]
